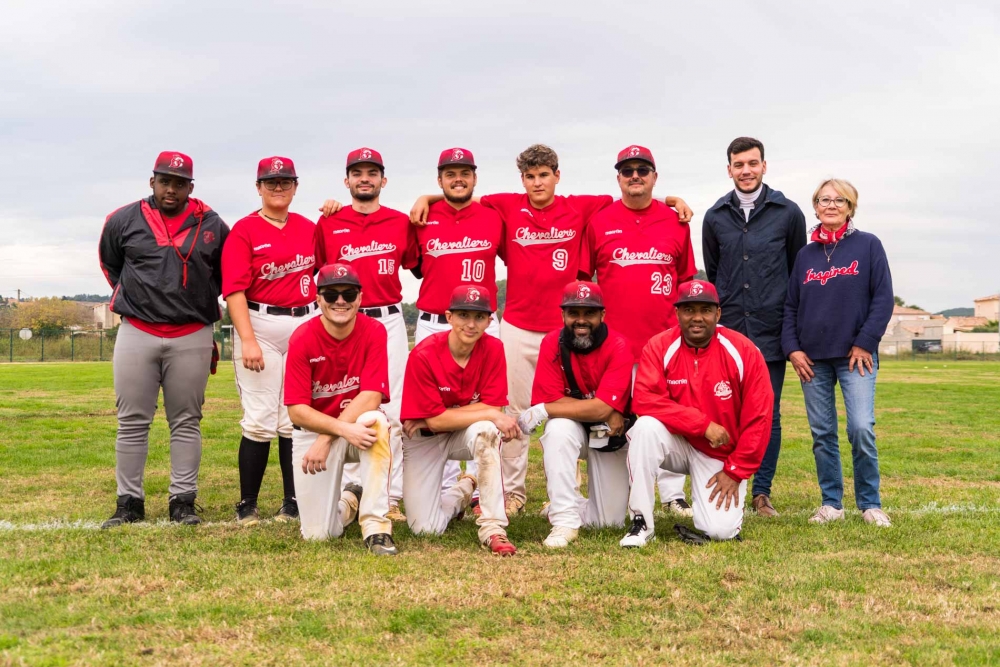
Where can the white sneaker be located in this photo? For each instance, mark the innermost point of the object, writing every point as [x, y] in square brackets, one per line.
[638, 535]
[678, 506]
[826, 514]
[876, 516]
[560, 537]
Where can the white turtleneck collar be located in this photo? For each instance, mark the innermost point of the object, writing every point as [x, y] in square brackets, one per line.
[747, 200]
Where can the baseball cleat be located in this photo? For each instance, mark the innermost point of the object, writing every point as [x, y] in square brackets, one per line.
[638, 535]
[129, 510]
[474, 506]
[183, 510]
[691, 536]
[826, 514]
[381, 544]
[350, 501]
[560, 537]
[246, 513]
[876, 516]
[289, 511]
[513, 505]
[394, 513]
[762, 506]
[500, 545]
[678, 506]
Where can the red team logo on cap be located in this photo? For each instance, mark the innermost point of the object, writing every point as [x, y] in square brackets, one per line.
[276, 165]
[457, 155]
[340, 272]
[366, 154]
[472, 296]
[583, 292]
[177, 162]
[696, 289]
[634, 151]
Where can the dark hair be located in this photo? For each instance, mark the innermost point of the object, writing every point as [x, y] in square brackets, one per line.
[537, 155]
[743, 144]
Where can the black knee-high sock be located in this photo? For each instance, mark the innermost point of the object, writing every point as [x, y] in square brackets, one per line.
[285, 459]
[253, 462]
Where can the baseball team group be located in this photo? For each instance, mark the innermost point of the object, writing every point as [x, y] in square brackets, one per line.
[607, 343]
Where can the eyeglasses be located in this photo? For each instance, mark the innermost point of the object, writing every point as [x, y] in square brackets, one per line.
[273, 183]
[643, 172]
[348, 295]
[839, 202]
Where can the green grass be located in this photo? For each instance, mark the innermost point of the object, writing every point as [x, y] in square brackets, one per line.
[926, 591]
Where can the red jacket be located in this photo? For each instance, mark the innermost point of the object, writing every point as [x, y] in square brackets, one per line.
[727, 382]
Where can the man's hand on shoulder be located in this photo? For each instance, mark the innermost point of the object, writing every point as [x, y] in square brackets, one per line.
[329, 207]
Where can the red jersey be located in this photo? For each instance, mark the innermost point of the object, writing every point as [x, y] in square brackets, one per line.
[271, 265]
[541, 247]
[326, 373]
[640, 258]
[457, 247]
[434, 382]
[604, 373]
[378, 245]
[727, 382]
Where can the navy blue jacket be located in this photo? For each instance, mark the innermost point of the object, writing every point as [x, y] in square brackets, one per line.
[749, 263]
[834, 305]
[152, 282]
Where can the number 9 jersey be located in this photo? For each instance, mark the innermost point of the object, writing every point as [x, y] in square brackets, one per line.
[457, 247]
[640, 257]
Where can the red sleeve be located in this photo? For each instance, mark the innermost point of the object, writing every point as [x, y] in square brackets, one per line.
[493, 376]
[588, 253]
[651, 398]
[421, 396]
[298, 374]
[756, 410]
[588, 205]
[686, 268]
[549, 384]
[237, 258]
[375, 367]
[614, 387]
[412, 253]
[319, 243]
[504, 203]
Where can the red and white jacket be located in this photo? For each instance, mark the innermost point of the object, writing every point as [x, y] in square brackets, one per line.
[727, 382]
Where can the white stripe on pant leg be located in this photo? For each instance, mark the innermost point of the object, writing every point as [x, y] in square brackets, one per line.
[607, 488]
[318, 495]
[718, 524]
[424, 462]
[563, 443]
[375, 469]
[481, 442]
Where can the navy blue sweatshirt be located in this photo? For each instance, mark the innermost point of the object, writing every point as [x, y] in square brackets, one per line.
[832, 306]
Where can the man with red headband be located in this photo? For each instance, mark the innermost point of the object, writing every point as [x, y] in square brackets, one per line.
[162, 257]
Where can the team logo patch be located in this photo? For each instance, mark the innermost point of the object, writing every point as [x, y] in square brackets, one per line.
[473, 295]
[583, 292]
[366, 154]
[340, 271]
[276, 165]
[208, 237]
[723, 391]
[696, 289]
[633, 151]
[177, 162]
[457, 154]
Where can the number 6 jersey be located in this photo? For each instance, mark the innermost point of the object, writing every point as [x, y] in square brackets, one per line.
[272, 266]
[640, 257]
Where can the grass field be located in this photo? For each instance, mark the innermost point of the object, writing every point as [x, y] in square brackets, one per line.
[926, 591]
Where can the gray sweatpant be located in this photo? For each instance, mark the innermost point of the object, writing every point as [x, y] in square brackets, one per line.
[142, 364]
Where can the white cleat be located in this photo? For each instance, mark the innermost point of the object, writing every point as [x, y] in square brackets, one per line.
[560, 537]
[638, 535]
[826, 514]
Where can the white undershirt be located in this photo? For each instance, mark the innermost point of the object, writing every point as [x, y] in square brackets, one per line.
[747, 200]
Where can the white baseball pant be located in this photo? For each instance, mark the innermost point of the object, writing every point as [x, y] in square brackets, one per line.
[564, 442]
[425, 328]
[428, 509]
[652, 448]
[671, 484]
[521, 349]
[398, 349]
[319, 495]
[265, 416]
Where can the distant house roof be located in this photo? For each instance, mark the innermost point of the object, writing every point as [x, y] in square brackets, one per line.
[991, 297]
[902, 310]
[966, 323]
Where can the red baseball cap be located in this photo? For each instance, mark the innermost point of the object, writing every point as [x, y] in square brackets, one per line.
[337, 274]
[275, 167]
[364, 155]
[470, 297]
[582, 294]
[174, 164]
[456, 156]
[697, 291]
[635, 153]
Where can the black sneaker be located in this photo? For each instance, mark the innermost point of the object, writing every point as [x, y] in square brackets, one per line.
[130, 510]
[183, 510]
[289, 511]
[246, 512]
[381, 544]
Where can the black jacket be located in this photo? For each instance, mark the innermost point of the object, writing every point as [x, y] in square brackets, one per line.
[749, 263]
[152, 281]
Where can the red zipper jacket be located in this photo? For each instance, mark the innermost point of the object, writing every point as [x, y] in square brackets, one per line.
[727, 382]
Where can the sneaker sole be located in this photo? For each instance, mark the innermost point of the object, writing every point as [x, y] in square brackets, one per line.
[637, 546]
[284, 518]
[246, 523]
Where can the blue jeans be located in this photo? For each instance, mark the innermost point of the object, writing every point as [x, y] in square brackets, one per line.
[821, 409]
[765, 474]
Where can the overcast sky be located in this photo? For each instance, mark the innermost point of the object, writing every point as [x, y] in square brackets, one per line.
[901, 98]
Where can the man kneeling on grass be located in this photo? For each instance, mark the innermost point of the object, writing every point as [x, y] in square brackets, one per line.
[704, 398]
[337, 375]
[454, 391]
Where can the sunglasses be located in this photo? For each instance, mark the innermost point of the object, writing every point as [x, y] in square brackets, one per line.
[628, 171]
[348, 295]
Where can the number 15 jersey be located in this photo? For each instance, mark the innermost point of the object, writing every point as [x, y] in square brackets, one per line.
[640, 257]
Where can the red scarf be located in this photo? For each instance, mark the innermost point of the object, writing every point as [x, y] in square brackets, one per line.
[195, 207]
[820, 235]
